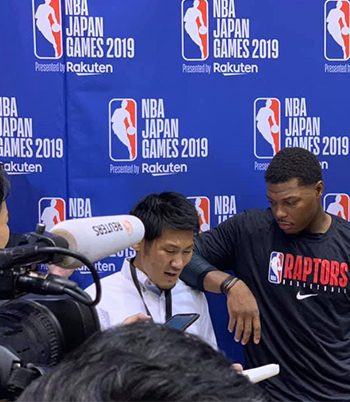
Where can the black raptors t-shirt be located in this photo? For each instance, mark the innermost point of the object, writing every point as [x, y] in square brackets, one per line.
[301, 283]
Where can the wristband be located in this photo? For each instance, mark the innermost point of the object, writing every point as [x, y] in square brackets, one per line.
[231, 285]
[227, 284]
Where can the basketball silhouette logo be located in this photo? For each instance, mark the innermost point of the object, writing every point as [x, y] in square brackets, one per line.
[52, 210]
[122, 130]
[194, 30]
[337, 204]
[336, 30]
[47, 29]
[202, 205]
[267, 127]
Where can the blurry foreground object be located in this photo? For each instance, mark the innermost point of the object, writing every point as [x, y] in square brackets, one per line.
[143, 362]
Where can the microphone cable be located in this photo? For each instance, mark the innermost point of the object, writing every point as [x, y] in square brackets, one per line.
[56, 285]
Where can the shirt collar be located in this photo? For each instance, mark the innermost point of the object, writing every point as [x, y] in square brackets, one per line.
[144, 281]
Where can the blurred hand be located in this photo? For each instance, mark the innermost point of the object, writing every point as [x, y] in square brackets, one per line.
[64, 273]
[237, 367]
[244, 313]
[139, 317]
[4, 229]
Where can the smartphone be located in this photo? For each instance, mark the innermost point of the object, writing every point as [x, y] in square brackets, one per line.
[182, 321]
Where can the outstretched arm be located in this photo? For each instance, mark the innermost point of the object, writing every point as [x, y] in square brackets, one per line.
[129, 119]
[201, 19]
[344, 21]
[273, 118]
[342, 213]
[57, 216]
[242, 307]
[214, 249]
[52, 12]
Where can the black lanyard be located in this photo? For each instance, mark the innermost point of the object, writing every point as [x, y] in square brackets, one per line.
[168, 308]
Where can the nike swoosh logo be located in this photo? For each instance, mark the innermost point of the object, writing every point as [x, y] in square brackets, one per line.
[302, 297]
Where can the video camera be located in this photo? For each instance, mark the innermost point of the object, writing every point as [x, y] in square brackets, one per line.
[37, 330]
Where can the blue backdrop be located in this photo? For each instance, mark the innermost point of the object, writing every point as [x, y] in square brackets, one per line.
[103, 101]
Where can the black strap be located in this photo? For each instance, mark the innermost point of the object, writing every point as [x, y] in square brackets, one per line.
[167, 292]
[20, 378]
[168, 304]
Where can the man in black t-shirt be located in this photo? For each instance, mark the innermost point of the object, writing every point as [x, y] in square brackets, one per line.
[292, 262]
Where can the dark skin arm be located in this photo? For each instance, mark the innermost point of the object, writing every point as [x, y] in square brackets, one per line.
[242, 307]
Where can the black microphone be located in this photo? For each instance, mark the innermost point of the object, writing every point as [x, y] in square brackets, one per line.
[30, 250]
[39, 283]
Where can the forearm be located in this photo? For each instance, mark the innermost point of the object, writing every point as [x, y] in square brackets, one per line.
[213, 250]
[196, 271]
[213, 280]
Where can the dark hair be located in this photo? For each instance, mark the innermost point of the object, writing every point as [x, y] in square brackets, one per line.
[143, 362]
[166, 210]
[5, 186]
[294, 163]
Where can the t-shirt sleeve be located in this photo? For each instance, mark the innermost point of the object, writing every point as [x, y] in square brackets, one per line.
[196, 270]
[214, 249]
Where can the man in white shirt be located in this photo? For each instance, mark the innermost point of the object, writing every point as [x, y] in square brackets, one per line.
[150, 283]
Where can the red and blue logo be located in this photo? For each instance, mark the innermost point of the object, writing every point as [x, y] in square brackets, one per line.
[202, 205]
[47, 29]
[267, 127]
[337, 204]
[122, 130]
[51, 211]
[336, 30]
[194, 30]
[276, 267]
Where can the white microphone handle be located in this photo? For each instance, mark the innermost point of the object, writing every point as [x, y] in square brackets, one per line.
[262, 373]
[98, 237]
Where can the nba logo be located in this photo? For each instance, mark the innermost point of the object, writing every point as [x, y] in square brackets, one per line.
[202, 205]
[267, 127]
[122, 130]
[51, 211]
[194, 30]
[337, 204]
[336, 30]
[275, 267]
[47, 29]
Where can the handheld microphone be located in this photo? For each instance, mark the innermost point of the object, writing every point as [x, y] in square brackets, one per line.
[98, 237]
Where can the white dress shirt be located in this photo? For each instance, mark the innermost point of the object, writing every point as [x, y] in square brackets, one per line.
[120, 299]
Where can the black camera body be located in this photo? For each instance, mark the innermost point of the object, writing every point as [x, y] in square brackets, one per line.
[38, 330]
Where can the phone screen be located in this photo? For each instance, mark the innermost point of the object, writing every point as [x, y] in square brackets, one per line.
[182, 321]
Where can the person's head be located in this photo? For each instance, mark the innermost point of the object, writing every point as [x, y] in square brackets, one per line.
[5, 188]
[268, 103]
[124, 104]
[53, 203]
[170, 222]
[196, 3]
[338, 198]
[143, 362]
[339, 4]
[294, 189]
